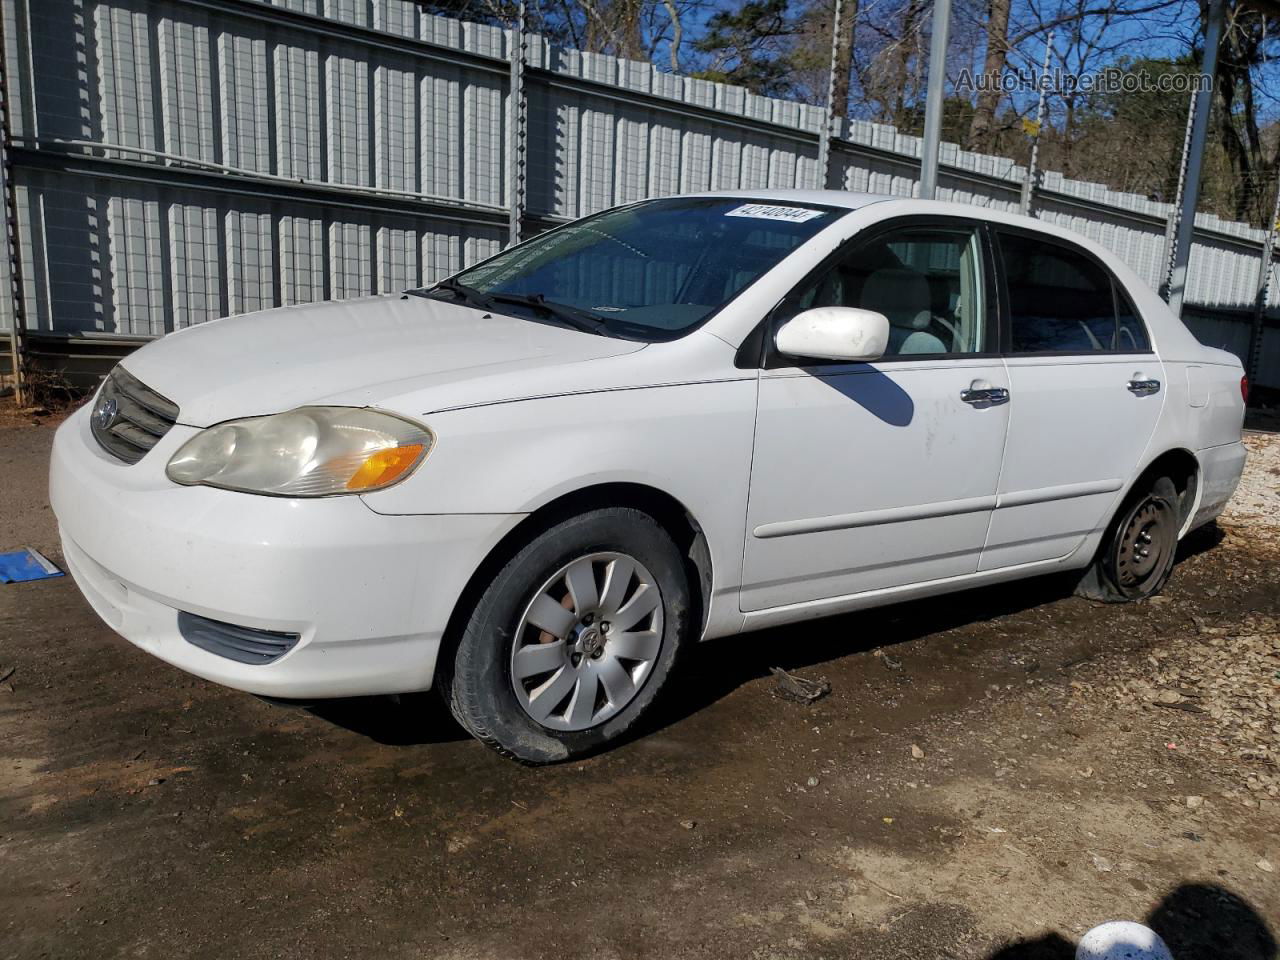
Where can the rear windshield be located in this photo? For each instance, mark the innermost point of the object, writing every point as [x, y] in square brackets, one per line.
[656, 269]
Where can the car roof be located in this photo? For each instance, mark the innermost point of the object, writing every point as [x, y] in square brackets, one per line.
[829, 198]
[908, 206]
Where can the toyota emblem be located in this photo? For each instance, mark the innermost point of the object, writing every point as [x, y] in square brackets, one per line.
[106, 411]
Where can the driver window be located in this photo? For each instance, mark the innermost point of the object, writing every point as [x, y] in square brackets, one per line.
[927, 282]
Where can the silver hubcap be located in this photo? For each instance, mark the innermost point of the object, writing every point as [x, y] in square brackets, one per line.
[587, 642]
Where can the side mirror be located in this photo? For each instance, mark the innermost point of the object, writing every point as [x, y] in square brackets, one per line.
[834, 333]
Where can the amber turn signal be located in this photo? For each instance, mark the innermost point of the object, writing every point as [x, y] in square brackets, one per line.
[384, 467]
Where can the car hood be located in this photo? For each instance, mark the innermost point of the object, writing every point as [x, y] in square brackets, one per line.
[359, 353]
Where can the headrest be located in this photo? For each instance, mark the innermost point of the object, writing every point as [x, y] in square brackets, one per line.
[900, 294]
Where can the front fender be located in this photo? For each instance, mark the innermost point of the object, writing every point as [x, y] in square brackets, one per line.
[692, 441]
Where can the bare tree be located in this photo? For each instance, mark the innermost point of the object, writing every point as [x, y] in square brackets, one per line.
[907, 50]
[1248, 42]
[677, 34]
[984, 114]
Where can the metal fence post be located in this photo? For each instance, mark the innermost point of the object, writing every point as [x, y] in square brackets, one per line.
[12, 240]
[1253, 360]
[519, 121]
[824, 135]
[933, 99]
[1171, 227]
[1195, 157]
[1033, 172]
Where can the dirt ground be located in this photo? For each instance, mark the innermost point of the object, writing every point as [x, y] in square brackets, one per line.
[992, 774]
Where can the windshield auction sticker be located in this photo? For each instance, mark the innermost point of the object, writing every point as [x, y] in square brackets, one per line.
[768, 211]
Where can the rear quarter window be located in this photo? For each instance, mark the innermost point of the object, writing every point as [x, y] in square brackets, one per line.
[1131, 332]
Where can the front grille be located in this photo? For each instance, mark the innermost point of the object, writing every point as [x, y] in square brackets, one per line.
[242, 644]
[129, 418]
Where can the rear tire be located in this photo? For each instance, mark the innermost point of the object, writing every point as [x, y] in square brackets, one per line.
[1138, 550]
[555, 660]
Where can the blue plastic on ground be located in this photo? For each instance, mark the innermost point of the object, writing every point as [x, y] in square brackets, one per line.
[26, 564]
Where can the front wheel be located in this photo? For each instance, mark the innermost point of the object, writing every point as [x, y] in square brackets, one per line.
[1137, 554]
[574, 637]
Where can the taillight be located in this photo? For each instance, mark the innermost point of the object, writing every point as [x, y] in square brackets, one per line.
[1244, 390]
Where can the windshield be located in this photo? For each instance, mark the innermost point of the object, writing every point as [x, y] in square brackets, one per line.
[652, 270]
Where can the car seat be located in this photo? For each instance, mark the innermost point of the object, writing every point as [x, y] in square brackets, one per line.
[902, 295]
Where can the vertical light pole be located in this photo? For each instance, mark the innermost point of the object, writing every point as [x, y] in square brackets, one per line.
[933, 99]
[519, 126]
[1195, 159]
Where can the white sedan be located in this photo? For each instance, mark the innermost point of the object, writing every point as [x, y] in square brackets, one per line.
[536, 484]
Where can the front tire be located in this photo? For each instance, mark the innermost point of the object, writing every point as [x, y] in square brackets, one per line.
[1137, 553]
[574, 638]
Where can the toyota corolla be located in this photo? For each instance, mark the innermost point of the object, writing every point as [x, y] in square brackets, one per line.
[534, 485]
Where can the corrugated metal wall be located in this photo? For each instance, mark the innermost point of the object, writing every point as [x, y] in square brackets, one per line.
[177, 160]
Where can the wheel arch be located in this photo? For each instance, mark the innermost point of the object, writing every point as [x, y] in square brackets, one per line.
[1182, 467]
[669, 512]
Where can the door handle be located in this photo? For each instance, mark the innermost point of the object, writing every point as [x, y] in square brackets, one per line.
[1143, 387]
[982, 392]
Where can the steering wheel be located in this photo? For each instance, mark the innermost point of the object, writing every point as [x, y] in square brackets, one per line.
[951, 329]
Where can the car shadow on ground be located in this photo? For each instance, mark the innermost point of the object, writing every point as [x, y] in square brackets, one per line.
[1196, 921]
[410, 719]
[707, 675]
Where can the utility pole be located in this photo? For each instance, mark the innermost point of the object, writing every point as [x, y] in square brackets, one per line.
[933, 99]
[1195, 159]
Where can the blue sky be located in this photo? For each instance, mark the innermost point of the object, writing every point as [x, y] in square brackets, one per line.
[1165, 33]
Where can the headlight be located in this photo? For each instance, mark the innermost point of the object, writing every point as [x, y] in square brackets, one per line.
[308, 452]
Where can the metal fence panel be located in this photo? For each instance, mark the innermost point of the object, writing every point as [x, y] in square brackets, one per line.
[178, 160]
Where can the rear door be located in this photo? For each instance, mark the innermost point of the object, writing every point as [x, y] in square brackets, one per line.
[1085, 394]
[874, 475]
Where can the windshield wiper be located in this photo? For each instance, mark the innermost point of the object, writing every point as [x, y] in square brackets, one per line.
[573, 316]
[470, 295]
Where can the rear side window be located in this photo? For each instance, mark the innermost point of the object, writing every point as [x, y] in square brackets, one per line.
[1060, 301]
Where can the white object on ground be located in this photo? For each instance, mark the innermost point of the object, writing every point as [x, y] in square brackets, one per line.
[1122, 940]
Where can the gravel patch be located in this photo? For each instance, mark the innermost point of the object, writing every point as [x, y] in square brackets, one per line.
[1257, 499]
[1230, 678]
[1227, 673]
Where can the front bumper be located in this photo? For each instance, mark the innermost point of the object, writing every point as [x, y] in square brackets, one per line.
[370, 595]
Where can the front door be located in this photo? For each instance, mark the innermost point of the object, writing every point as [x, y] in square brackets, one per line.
[1085, 394]
[875, 475]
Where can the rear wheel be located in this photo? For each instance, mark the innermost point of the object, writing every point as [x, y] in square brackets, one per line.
[573, 639]
[1138, 551]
